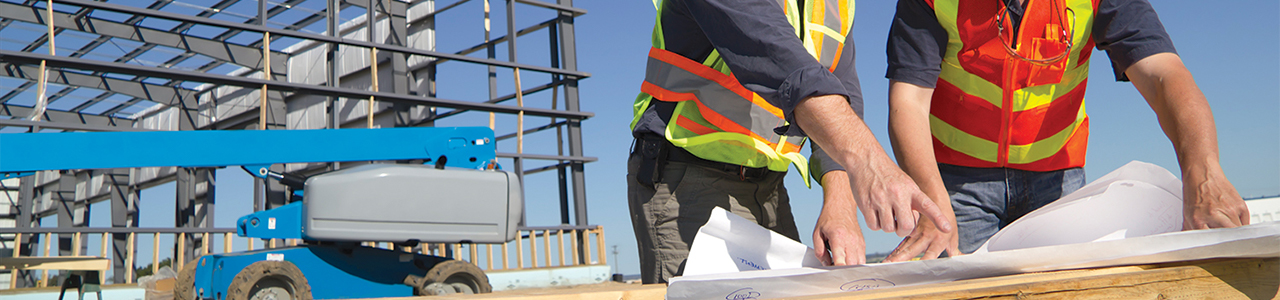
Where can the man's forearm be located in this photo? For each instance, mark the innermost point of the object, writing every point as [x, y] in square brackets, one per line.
[1209, 199]
[829, 121]
[1180, 106]
[912, 141]
[884, 194]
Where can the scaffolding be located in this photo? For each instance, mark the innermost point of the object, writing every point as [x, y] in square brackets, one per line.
[276, 65]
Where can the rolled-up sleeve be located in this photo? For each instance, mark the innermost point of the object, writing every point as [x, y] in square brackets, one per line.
[762, 50]
[916, 43]
[1129, 31]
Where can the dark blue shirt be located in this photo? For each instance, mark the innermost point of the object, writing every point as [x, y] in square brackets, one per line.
[1128, 30]
[761, 49]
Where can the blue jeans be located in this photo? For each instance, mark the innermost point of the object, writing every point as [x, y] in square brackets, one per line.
[987, 199]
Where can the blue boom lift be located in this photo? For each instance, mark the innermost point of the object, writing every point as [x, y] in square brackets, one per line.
[456, 196]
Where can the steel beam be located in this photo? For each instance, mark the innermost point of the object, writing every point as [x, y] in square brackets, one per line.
[166, 95]
[224, 51]
[65, 120]
[64, 125]
[65, 62]
[562, 7]
[310, 36]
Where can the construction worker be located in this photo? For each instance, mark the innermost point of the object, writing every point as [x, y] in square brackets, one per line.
[986, 102]
[728, 88]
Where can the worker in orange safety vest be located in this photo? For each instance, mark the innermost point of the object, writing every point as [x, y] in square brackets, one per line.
[987, 109]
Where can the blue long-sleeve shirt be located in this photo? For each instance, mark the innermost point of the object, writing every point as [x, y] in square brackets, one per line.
[761, 49]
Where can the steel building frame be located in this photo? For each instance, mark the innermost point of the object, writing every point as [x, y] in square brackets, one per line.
[186, 66]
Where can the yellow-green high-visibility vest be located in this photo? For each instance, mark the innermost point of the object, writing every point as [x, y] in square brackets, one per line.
[718, 119]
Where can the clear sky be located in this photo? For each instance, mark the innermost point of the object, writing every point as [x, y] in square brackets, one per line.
[1230, 47]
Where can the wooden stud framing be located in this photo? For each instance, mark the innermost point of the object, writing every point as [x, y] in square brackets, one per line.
[560, 244]
[129, 258]
[547, 248]
[519, 251]
[181, 255]
[533, 249]
[504, 256]
[155, 253]
[600, 246]
[13, 275]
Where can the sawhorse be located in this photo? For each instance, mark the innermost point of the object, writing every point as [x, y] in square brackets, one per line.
[85, 276]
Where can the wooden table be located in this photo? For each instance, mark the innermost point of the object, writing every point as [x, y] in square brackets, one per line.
[85, 276]
[1244, 278]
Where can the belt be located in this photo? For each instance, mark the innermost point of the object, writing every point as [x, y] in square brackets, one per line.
[678, 154]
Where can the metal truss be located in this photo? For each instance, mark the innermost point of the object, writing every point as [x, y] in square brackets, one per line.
[120, 64]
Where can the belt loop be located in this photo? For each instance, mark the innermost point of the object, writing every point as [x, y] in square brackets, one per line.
[742, 173]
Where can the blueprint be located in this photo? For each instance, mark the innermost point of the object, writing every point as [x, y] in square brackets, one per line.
[1130, 216]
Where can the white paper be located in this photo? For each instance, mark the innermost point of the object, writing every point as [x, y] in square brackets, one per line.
[729, 243]
[1138, 199]
[1258, 240]
[1129, 216]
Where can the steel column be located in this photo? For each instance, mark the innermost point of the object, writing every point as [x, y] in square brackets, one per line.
[569, 45]
[124, 214]
[64, 199]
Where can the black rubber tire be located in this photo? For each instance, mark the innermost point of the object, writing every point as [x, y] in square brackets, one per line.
[455, 274]
[184, 285]
[260, 275]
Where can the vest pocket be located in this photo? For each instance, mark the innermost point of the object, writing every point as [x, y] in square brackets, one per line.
[1034, 74]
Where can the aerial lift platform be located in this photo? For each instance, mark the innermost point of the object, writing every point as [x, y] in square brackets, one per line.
[457, 196]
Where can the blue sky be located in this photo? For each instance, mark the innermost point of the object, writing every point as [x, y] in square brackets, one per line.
[1231, 50]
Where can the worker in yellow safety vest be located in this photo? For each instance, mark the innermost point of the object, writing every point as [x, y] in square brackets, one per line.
[987, 112]
[728, 88]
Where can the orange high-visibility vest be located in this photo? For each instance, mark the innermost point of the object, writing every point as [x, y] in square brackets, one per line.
[718, 119]
[992, 109]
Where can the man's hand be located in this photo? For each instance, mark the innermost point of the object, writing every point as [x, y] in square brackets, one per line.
[886, 195]
[889, 199]
[926, 238]
[1210, 201]
[837, 230]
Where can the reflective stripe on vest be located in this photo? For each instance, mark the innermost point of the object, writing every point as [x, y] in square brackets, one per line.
[991, 109]
[718, 119]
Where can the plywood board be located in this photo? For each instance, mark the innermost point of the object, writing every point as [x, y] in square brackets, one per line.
[1256, 278]
[55, 263]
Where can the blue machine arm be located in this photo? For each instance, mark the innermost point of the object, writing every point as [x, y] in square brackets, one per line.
[20, 153]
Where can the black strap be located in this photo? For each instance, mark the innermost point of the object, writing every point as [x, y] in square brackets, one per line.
[653, 151]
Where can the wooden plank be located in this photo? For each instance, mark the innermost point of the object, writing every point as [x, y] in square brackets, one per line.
[573, 239]
[75, 244]
[533, 249]
[504, 256]
[129, 258]
[1257, 278]
[155, 253]
[606, 291]
[226, 243]
[182, 250]
[519, 252]
[55, 263]
[44, 276]
[600, 245]
[560, 244]
[546, 248]
[475, 254]
[17, 244]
